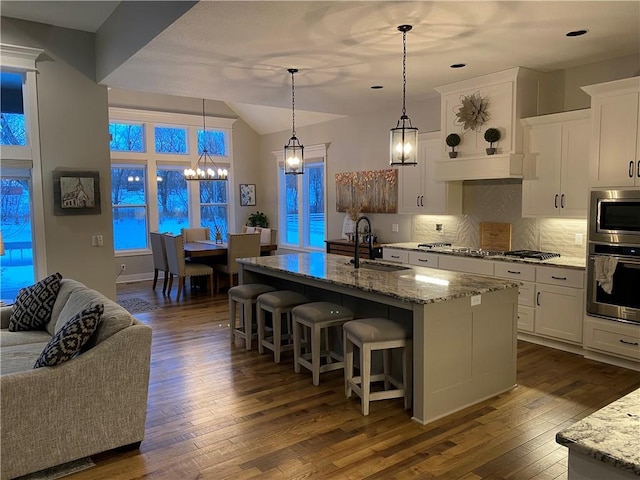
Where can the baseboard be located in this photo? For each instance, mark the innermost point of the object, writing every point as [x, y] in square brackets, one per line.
[136, 277]
[617, 361]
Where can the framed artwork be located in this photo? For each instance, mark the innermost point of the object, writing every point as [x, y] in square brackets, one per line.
[371, 191]
[76, 193]
[247, 194]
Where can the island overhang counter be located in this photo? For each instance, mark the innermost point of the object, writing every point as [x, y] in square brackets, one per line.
[464, 326]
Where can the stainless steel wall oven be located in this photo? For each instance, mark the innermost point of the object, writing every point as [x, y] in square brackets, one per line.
[613, 267]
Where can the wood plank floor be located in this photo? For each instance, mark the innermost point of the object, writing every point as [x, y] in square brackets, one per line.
[217, 411]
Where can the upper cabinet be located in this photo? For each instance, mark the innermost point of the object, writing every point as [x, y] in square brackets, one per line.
[615, 137]
[503, 98]
[419, 191]
[556, 180]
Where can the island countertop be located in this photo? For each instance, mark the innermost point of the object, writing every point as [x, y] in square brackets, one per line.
[412, 284]
[610, 435]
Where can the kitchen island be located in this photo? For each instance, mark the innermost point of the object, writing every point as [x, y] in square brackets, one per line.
[464, 326]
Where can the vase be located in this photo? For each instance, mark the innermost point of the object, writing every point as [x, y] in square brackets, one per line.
[491, 151]
[453, 154]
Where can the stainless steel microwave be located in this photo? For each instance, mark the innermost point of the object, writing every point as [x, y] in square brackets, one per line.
[614, 216]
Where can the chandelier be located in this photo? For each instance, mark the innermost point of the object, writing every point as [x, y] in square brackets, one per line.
[206, 169]
[404, 138]
[293, 150]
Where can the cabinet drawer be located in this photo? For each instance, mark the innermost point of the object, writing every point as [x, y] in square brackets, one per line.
[564, 277]
[612, 337]
[423, 259]
[466, 265]
[516, 271]
[395, 255]
[526, 318]
[527, 294]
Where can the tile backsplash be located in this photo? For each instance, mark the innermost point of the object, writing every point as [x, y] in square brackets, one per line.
[501, 201]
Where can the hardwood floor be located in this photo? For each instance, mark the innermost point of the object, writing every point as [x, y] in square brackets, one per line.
[217, 411]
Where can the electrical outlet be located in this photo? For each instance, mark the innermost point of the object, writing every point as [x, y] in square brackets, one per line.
[123, 267]
[100, 240]
[578, 239]
[94, 240]
[394, 227]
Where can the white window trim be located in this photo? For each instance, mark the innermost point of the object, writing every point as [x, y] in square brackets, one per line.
[23, 60]
[315, 152]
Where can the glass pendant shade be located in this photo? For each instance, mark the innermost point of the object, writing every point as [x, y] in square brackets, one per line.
[205, 169]
[293, 150]
[404, 143]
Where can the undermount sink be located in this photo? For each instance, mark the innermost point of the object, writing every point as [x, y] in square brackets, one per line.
[382, 267]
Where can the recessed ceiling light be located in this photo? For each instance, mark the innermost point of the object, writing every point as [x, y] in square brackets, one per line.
[458, 65]
[576, 33]
[376, 87]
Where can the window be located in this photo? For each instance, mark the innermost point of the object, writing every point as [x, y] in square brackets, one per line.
[149, 152]
[12, 126]
[302, 202]
[129, 203]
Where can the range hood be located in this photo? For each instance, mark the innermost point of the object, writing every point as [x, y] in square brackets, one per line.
[511, 95]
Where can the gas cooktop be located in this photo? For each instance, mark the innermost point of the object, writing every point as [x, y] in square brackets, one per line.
[434, 245]
[531, 254]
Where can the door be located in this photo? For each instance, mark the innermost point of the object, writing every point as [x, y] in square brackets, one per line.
[541, 192]
[574, 176]
[559, 312]
[411, 185]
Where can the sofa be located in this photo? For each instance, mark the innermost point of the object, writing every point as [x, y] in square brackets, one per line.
[93, 402]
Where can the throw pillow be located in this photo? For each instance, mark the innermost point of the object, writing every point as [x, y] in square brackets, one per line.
[67, 343]
[34, 304]
[265, 235]
[250, 230]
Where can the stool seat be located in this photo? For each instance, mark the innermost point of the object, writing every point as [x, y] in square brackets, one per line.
[372, 334]
[318, 317]
[246, 296]
[278, 303]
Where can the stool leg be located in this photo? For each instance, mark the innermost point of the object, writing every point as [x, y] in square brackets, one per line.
[326, 344]
[348, 365]
[247, 319]
[386, 353]
[316, 336]
[232, 319]
[297, 347]
[260, 322]
[277, 333]
[365, 375]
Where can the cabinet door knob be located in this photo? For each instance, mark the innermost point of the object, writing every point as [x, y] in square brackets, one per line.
[562, 201]
[555, 201]
[631, 169]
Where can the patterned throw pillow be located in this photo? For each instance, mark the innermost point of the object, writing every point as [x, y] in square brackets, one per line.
[34, 304]
[67, 343]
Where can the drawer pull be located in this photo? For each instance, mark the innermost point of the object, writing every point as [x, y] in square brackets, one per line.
[558, 278]
[538, 298]
[514, 272]
[635, 344]
[395, 256]
[423, 259]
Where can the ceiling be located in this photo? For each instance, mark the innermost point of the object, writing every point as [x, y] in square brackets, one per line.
[239, 51]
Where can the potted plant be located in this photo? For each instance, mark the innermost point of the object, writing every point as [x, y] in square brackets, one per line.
[453, 140]
[258, 219]
[492, 135]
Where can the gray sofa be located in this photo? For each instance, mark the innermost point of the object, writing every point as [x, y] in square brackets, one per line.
[94, 402]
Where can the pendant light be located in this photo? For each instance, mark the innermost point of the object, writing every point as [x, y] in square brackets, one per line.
[206, 169]
[294, 150]
[404, 138]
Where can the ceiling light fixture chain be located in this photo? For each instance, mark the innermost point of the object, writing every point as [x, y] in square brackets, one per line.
[293, 150]
[404, 137]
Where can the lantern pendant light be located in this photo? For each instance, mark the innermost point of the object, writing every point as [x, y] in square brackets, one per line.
[206, 169]
[293, 150]
[404, 138]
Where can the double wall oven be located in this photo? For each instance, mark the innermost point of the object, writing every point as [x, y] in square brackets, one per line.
[613, 267]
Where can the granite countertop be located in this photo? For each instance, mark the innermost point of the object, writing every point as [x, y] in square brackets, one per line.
[564, 262]
[412, 284]
[611, 435]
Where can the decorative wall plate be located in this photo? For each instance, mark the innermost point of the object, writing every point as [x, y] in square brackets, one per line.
[472, 112]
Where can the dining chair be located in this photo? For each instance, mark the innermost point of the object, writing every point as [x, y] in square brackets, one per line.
[177, 266]
[196, 233]
[240, 245]
[159, 259]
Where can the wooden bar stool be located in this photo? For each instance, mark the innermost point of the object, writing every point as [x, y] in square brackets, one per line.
[278, 303]
[245, 296]
[319, 317]
[371, 334]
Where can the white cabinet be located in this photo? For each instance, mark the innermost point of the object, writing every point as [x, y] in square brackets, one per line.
[559, 303]
[617, 338]
[395, 255]
[423, 259]
[419, 192]
[476, 266]
[556, 182]
[615, 142]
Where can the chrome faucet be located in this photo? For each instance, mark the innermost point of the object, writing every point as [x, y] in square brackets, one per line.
[356, 253]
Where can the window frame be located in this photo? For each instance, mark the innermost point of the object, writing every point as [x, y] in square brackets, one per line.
[314, 155]
[153, 160]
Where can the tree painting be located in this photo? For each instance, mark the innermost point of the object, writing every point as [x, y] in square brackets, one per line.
[373, 191]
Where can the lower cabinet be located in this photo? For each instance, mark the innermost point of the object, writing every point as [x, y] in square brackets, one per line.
[615, 338]
[559, 312]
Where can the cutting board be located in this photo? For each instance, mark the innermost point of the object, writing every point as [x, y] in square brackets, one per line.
[495, 236]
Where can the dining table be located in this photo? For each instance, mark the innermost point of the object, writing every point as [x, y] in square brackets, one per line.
[209, 248]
